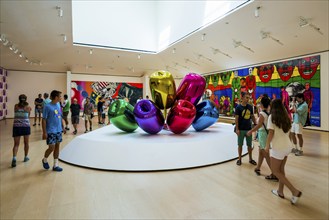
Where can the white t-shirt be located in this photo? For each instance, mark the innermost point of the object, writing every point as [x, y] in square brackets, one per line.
[280, 139]
[265, 116]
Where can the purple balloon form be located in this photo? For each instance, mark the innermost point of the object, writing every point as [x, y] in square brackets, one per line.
[148, 116]
[191, 88]
[181, 116]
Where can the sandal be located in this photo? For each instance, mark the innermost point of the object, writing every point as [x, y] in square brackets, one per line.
[275, 192]
[271, 177]
[253, 162]
[257, 171]
[294, 199]
[238, 162]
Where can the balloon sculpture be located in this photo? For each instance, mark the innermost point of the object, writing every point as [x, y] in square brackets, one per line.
[181, 116]
[121, 115]
[183, 104]
[206, 115]
[163, 90]
[148, 116]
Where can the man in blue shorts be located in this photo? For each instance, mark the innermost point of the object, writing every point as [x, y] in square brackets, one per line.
[243, 115]
[52, 127]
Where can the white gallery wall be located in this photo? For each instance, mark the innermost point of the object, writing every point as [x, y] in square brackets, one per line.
[31, 84]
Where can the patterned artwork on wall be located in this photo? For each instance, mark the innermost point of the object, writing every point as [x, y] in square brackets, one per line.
[3, 93]
[82, 89]
[297, 76]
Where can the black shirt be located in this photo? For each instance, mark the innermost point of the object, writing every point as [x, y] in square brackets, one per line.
[100, 106]
[244, 122]
[75, 109]
[39, 102]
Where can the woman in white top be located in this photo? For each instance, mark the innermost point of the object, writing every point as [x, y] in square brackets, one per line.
[262, 136]
[279, 126]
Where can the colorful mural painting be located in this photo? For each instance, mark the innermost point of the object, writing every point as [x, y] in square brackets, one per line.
[276, 80]
[113, 90]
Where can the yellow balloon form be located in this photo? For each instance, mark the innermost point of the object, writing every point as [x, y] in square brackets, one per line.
[163, 89]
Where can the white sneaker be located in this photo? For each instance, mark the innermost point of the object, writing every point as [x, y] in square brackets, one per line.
[294, 150]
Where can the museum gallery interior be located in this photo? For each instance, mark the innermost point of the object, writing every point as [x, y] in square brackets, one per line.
[164, 79]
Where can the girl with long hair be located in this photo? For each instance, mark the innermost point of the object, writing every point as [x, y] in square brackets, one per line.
[262, 136]
[279, 126]
[21, 127]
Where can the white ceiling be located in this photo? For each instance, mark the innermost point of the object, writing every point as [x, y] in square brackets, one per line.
[35, 28]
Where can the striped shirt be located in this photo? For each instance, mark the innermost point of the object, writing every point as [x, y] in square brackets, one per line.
[21, 118]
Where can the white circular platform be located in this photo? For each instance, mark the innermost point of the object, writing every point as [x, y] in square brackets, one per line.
[109, 148]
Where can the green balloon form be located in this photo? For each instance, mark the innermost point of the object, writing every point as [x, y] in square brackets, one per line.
[121, 116]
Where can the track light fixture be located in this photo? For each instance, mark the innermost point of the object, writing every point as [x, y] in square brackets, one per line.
[2, 37]
[87, 66]
[203, 36]
[6, 42]
[239, 44]
[203, 57]
[64, 38]
[174, 50]
[304, 22]
[60, 11]
[186, 67]
[12, 47]
[139, 56]
[257, 11]
[215, 51]
[91, 51]
[131, 69]
[265, 35]
[169, 67]
[190, 61]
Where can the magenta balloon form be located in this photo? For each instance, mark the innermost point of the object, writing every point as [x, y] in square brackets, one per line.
[191, 88]
[148, 116]
[181, 116]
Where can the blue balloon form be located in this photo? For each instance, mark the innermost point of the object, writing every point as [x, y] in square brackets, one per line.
[148, 116]
[206, 115]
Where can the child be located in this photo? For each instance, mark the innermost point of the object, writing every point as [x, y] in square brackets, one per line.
[279, 126]
[262, 136]
[52, 126]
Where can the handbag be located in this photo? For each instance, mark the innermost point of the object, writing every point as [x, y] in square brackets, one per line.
[92, 115]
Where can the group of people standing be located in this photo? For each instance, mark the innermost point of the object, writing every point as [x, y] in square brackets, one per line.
[276, 136]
